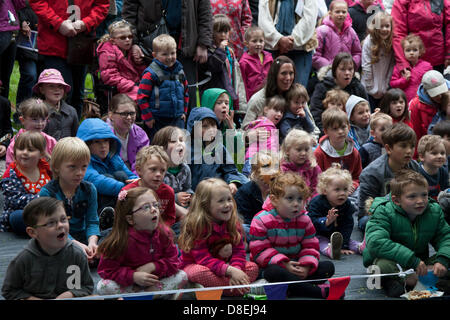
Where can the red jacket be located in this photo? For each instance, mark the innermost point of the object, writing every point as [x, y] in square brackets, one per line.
[415, 16]
[52, 13]
[351, 160]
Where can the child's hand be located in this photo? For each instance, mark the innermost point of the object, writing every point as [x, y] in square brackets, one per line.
[233, 188]
[439, 270]
[223, 44]
[148, 268]
[421, 269]
[347, 252]
[331, 216]
[229, 121]
[2, 150]
[237, 278]
[201, 55]
[294, 267]
[137, 54]
[183, 198]
[406, 74]
[145, 279]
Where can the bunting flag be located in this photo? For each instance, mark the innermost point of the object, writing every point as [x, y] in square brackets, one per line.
[209, 295]
[276, 292]
[429, 280]
[337, 287]
[145, 297]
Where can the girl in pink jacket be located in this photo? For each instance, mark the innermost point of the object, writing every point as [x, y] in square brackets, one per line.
[409, 79]
[336, 35]
[139, 254]
[117, 66]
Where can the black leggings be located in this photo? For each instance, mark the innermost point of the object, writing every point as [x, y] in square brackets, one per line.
[275, 273]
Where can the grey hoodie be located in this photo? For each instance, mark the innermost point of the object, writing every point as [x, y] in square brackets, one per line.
[34, 273]
[358, 134]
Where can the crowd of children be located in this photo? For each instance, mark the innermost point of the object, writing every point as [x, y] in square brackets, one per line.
[266, 174]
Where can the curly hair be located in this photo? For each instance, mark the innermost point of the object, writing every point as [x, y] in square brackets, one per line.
[332, 174]
[281, 182]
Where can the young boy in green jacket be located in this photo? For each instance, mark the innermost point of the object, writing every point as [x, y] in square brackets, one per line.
[399, 230]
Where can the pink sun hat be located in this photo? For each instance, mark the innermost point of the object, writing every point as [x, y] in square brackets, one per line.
[51, 76]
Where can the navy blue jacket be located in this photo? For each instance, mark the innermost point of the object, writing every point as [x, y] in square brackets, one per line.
[249, 201]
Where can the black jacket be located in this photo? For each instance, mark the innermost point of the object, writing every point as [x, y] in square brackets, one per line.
[249, 201]
[359, 17]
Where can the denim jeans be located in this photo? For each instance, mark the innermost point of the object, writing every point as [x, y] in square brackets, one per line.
[7, 57]
[16, 222]
[74, 76]
[28, 78]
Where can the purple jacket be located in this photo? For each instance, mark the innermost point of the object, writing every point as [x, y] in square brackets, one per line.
[13, 6]
[137, 138]
[331, 42]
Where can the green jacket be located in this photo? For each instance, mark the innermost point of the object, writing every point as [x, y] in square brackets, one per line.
[391, 235]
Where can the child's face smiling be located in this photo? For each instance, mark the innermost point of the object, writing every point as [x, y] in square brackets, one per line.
[51, 231]
[221, 205]
[435, 158]
[52, 92]
[152, 173]
[291, 204]
[385, 28]
[167, 56]
[361, 115]
[28, 158]
[33, 123]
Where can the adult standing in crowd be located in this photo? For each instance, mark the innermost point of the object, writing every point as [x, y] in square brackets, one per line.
[430, 20]
[289, 31]
[54, 31]
[188, 21]
[238, 11]
[9, 25]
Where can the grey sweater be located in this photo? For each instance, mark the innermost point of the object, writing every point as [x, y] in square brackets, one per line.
[34, 273]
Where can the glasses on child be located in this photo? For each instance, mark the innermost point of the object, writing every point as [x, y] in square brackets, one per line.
[126, 114]
[123, 38]
[53, 223]
[146, 208]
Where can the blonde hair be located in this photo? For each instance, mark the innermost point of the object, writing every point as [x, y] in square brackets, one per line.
[147, 152]
[197, 224]
[377, 117]
[333, 172]
[68, 149]
[265, 168]
[297, 137]
[164, 42]
[378, 43]
[336, 96]
[113, 27]
[427, 143]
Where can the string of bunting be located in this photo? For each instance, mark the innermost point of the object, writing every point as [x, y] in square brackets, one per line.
[274, 290]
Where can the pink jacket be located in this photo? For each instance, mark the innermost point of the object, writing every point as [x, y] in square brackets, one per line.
[50, 144]
[254, 73]
[410, 86]
[118, 70]
[331, 42]
[310, 175]
[201, 254]
[142, 248]
[415, 16]
[271, 144]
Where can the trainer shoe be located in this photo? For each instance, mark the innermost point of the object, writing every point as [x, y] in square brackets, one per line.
[106, 218]
[336, 245]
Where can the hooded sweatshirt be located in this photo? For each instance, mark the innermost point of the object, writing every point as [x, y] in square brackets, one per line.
[35, 273]
[358, 134]
[92, 129]
[212, 160]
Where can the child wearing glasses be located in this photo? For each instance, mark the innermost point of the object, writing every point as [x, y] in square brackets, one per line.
[23, 179]
[139, 254]
[117, 66]
[70, 160]
[45, 269]
[33, 115]
[63, 119]
[121, 119]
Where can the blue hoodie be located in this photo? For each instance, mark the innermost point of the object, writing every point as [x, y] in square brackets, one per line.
[94, 128]
[222, 165]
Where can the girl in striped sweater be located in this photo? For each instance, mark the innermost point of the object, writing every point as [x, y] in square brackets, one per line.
[212, 217]
[283, 240]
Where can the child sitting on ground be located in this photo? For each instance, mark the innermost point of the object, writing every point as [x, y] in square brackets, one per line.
[213, 217]
[139, 253]
[106, 171]
[432, 154]
[373, 148]
[442, 114]
[33, 115]
[46, 266]
[23, 179]
[442, 129]
[393, 235]
[295, 115]
[294, 260]
[335, 98]
[63, 119]
[70, 159]
[332, 213]
[358, 111]
[297, 156]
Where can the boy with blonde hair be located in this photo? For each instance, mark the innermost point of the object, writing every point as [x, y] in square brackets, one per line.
[163, 95]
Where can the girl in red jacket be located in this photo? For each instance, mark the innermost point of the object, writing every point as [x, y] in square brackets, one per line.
[394, 104]
[213, 217]
[117, 66]
[139, 253]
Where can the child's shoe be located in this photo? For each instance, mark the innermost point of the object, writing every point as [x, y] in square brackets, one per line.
[394, 288]
[106, 218]
[336, 241]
